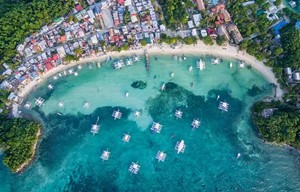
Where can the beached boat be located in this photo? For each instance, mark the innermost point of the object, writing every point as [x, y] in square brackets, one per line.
[119, 64]
[156, 127]
[95, 127]
[178, 114]
[161, 156]
[201, 65]
[215, 61]
[180, 146]
[134, 168]
[126, 138]
[39, 101]
[50, 86]
[105, 155]
[195, 123]
[223, 106]
[117, 114]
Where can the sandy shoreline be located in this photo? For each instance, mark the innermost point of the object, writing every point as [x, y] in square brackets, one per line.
[21, 167]
[199, 48]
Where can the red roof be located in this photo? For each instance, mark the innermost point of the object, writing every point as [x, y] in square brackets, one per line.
[55, 57]
[78, 7]
[120, 2]
[48, 66]
[63, 38]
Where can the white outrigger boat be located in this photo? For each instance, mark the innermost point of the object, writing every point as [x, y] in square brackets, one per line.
[28, 105]
[156, 127]
[39, 101]
[161, 156]
[118, 64]
[137, 113]
[60, 104]
[76, 74]
[195, 123]
[201, 64]
[65, 73]
[55, 77]
[163, 87]
[135, 58]
[293, 4]
[117, 114]
[241, 64]
[134, 168]
[178, 114]
[190, 69]
[86, 105]
[215, 61]
[71, 71]
[172, 74]
[180, 146]
[126, 138]
[223, 106]
[230, 65]
[105, 155]
[126, 94]
[95, 128]
[128, 61]
[50, 86]
[79, 67]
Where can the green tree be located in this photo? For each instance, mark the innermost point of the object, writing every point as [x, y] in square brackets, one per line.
[277, 51]
[208, 40]
[69, 58]
[220, 40]
[190, 40]
[127, 16]
[78, 51]
[143, 42]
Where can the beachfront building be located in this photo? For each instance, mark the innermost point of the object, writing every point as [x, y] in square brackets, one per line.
[234, 33]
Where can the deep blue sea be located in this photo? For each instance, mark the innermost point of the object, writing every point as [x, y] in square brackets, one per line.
[68, 156]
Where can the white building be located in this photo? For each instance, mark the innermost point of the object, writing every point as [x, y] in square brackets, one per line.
[203, 33]
[61, 51]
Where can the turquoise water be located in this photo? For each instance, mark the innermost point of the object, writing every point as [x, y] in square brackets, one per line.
[296, 9]
[68, 158]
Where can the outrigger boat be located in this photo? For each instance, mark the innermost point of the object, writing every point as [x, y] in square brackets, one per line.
[90, 66]
[76, 74]
[39, 101]
[117, 114]
[163, 87]
[54, 77]
[134, 168]
[27, 105]
[178, 114]
[105, 155]
[180, 146]
[215, 61]
[223, 106]
[293, 4]
[86, 105]
[50, 86]
[172, 74]
[230, 65]
[241, 64]
[161, 156]
[126, 138]
[135, 58]
[95, 128]
[118, 64]
[137, 114]
[71, 71]
[98, 64]
[156, 127]
[126, 94]
[60, 104]
[195, 123]
[201, 65]
[79, 67]
[190, 69]
[128, 61]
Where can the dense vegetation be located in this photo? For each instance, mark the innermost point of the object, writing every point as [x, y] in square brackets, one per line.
[25, 18]
[175, 12]
[17, 138]
[282, 127]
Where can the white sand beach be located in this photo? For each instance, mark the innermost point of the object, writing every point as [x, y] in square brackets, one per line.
[200, 48]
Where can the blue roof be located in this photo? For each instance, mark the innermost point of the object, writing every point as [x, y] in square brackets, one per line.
[298, 25]
[279, 26]
[96, 8]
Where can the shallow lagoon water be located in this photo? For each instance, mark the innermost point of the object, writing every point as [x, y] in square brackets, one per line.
[68, 158]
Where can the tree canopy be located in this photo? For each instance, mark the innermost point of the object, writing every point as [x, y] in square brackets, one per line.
[17, 138]
[291, 44]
